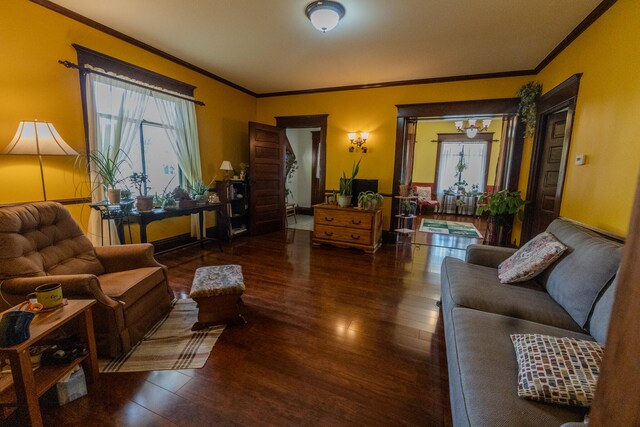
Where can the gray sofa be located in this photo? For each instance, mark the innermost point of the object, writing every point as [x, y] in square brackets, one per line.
[572, 298]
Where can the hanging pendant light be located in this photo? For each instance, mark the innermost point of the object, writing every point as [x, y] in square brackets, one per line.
[325, 15]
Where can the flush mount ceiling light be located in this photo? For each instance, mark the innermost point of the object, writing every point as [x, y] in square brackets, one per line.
[324, 15]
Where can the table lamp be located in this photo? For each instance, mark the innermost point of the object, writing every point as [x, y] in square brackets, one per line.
[38, 139]
[227, 168]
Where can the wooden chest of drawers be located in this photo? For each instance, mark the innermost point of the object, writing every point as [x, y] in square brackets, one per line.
[347, 227]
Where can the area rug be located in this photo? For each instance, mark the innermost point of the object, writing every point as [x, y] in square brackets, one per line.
[170, 344]
[463, 229]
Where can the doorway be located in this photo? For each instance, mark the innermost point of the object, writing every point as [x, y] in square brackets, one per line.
[443, 131]
[549, 158]
[306, 143]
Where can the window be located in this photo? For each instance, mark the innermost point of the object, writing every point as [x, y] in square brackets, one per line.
[154, 157]
[462, 164]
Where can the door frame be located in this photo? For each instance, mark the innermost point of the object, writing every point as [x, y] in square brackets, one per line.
[561, 97]
[311, 121]
[513, 136]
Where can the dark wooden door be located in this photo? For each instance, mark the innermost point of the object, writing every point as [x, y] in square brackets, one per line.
[266, 163]
[548, 190]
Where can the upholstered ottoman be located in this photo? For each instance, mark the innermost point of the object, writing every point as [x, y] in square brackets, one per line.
[217, 291]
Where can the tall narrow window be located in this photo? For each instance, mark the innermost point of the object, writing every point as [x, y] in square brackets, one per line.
[462, 164]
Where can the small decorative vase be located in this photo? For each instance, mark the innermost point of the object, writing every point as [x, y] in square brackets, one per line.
[344, 201]
[113, 194]
[202, 199]
[404, 190]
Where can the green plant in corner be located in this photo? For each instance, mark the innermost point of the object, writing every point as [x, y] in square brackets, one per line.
[527, 110]
[502, 204]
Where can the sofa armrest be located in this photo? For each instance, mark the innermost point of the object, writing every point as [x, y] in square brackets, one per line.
[75, 286]
[127, 257]
[489, 256]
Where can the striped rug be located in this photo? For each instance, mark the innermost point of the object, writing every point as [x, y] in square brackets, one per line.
[170, 344]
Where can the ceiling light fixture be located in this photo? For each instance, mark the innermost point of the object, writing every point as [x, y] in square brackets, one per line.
[324, 15]
[472, 130]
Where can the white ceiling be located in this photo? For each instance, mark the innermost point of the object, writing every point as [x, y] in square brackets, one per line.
[270, 46]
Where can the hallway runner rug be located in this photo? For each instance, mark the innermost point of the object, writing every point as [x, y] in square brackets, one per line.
[170, 344]
[453, 228]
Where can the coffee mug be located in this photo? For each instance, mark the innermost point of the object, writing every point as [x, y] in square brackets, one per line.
[49, 295]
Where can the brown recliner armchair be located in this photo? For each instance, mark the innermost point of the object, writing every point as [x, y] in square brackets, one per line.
[41, 243]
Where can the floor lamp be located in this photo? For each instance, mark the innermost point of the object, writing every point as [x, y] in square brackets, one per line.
[38, 139]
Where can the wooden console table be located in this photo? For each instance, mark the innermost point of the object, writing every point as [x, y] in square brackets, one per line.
[347, 227]
[27, 385]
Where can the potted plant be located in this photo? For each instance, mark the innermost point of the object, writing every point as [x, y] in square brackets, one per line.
[108, 172]
[181, 196]
[346, 186]
[200, 191]
[502, 207]
[527, 109]
[168, 202]
[368, 200]
[139, 181]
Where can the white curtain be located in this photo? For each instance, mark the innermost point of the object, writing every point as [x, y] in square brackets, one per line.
[179, 117]
[475, 159]
[115, 110]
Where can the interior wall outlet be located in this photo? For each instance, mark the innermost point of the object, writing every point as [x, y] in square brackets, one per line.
[581, 159]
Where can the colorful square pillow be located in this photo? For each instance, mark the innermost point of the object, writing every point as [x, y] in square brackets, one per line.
[531, 259]
[557, 370]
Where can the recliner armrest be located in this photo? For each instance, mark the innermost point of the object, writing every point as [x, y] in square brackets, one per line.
[76, 286]
[489, 256]
[127, 257]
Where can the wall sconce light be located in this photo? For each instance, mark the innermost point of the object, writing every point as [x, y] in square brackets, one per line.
[472, 130]
[358, 141]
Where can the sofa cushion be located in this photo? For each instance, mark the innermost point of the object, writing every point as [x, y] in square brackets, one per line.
[531, 259]
[599, 321]
[478, 287]
[43, 238]
[483, 372]
[557, 369]
[576, 279]
[131, 285]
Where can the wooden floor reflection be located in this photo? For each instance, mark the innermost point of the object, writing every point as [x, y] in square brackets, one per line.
[334, 337]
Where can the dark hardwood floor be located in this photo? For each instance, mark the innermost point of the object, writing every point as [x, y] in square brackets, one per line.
[334, 337]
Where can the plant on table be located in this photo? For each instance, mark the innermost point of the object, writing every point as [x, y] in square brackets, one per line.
[369, 200]
[107, 169]
[502, 207]
[139, 181]
[346, 185]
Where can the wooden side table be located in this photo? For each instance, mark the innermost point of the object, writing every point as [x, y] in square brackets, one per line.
[29, 385]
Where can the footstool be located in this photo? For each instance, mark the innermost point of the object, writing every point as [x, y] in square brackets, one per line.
[217, 291]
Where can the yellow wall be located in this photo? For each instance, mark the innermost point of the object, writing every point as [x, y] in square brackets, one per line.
[374, 110]
[425, 152]
[600, 193]
[33, 85]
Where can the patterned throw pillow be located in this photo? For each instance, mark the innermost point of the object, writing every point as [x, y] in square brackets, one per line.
[557, 370]
[424, 194]
[531, 259]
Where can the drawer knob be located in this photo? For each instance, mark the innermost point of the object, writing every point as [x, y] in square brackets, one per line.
[326, 233]
[358, 222]
[326, 218]
[355, 236]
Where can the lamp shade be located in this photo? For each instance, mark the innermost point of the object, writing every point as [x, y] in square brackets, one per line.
[226, 166]
[325, 15]
[38, 139]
